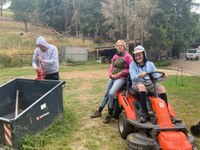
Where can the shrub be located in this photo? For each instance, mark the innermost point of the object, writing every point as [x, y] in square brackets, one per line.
[13, 60]
[163, 63]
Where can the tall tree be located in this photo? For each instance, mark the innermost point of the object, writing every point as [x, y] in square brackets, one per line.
[91, 18]
[51, 13]
[114, 12]
[175, 26]
[2, 2]
[76, 22]
[22, 10]
[128, 19]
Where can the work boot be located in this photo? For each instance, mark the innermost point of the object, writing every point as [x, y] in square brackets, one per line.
[96, 114]
[143, 118]
[107, 119]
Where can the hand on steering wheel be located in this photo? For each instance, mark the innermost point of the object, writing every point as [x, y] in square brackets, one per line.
[155, 76]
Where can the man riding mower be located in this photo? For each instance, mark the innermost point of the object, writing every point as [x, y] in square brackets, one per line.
[147, 121]
[160, 131]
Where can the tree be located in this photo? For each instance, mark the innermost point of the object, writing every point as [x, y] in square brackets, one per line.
[141, 13]
[22, 10]
[2, 2]
[128, 19]
[174, 27]
[51, 13]
[91, 18]
[76, 21]
[115, 17]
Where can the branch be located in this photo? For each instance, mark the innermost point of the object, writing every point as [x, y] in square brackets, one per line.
[51, 29]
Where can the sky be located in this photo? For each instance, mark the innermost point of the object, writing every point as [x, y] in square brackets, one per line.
[196, 9]
[6, 5]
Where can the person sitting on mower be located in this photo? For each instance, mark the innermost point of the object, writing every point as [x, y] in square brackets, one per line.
[138, 69]
[118, 72]
[46, 55]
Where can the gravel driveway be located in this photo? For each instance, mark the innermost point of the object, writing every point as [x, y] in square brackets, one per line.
[189, 66]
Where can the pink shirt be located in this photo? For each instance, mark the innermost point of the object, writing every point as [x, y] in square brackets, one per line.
[128, 59]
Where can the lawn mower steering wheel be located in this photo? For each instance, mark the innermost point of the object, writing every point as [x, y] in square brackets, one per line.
[154, 78]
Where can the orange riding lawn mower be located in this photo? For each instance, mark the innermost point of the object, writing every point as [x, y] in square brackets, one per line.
[160, 132]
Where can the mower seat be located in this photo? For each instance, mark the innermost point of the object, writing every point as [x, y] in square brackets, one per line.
[133, 92]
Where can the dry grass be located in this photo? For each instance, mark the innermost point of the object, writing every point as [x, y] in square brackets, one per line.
[12, 42]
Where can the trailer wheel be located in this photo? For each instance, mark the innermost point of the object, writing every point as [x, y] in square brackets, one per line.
[124, 127]
[117, 109]
[106, 60]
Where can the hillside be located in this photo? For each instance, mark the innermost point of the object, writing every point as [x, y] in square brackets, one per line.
[13, 37]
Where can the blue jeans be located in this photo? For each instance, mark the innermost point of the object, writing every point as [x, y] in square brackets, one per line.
[111, 89]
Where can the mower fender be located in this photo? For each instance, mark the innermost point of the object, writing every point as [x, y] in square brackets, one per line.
[171, 110]
[160, 107]
[176, 140]
[128, 109]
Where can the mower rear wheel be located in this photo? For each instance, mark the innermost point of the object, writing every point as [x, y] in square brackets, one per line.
[124, 127]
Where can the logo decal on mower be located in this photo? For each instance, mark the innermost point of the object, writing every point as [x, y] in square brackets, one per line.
[161, 105]
[43, 115]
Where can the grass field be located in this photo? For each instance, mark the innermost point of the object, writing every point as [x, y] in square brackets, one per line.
[82, 94]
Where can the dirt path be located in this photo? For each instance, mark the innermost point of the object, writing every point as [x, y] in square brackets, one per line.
[91, 74]
[188, 66]
[97, 74]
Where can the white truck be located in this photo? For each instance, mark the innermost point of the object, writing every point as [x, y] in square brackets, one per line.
[193, 54]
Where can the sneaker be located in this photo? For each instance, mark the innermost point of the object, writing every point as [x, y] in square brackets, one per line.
[107, 119]
[96, 114]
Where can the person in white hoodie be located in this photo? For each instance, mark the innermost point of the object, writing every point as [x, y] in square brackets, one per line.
[46, 55]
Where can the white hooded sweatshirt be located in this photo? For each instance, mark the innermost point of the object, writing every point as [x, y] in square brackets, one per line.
[50, 57]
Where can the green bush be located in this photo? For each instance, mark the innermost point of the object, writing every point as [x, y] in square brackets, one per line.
[164, 63]
[14, 60]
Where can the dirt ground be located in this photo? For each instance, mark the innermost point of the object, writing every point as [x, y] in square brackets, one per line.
[189, 66]
[100, 133]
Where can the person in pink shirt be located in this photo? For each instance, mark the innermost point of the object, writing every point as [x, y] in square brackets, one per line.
[118, 72]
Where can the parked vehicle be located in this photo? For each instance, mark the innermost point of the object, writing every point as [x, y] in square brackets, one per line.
[193, 54]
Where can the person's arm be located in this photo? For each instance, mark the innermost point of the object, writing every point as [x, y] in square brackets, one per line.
[53, 58]
[133, 72]
[35, 59]
[153, 69]
[111, 67]
[128, 60]
[156, 74]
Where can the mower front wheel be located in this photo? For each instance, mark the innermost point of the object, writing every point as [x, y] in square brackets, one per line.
[124, 127]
